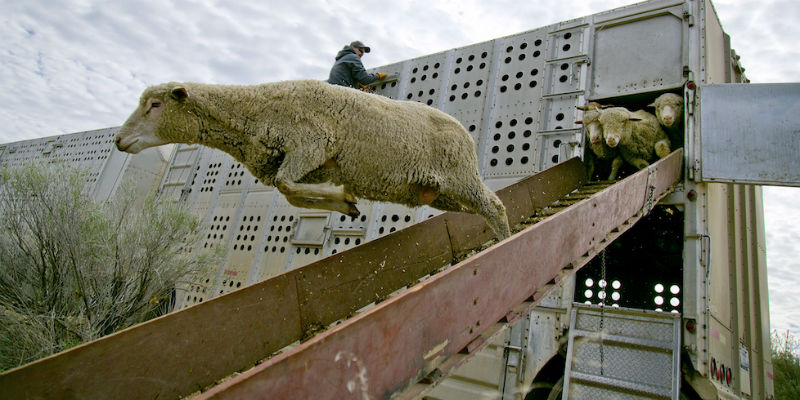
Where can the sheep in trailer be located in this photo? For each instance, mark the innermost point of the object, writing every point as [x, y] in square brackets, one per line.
[637, 134]
[596, 142]
[669, 112]
[323, 146]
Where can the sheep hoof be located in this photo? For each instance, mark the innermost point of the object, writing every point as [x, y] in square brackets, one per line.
[353, 211]
[349, 198]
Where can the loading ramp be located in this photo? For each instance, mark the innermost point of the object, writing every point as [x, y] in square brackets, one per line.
[389, 318]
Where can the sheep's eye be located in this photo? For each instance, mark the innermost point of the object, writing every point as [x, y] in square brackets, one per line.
[153, 105]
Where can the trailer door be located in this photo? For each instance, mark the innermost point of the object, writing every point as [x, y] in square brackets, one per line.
[749, 133]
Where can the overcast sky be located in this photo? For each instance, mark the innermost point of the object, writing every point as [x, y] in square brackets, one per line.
[71, 66]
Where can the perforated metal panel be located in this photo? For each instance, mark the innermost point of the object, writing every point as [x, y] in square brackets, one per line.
[622, 353]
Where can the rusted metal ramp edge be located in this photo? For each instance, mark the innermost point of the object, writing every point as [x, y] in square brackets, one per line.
[387, 350]
[182, 352]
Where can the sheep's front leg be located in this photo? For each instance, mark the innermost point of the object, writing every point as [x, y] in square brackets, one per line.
[324, 204]
[295, 166]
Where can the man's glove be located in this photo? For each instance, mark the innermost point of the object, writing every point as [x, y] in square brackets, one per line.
[381, 75]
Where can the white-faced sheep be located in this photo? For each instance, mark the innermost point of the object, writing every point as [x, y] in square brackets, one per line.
[596, 142]
[669, 112]
[638, 135]
[323, 146]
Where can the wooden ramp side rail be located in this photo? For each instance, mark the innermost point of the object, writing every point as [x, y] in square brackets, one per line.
[396, 348]
[183, 352]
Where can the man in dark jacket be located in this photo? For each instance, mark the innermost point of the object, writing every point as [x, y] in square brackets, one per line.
[348, 69]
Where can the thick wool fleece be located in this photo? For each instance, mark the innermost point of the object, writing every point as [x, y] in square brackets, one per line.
[312, 132]
[639, 141]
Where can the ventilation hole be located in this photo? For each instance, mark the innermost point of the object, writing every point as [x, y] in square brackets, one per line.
[564, 66]
[495, 149]
[557, 143]
[518, 86]
[523, 46]
[567, 35]
[526, 146]
[477, 93]
[512, 135]
[566, 47]
[508, 60]
[509, 161]
[493, 162]
[532, 84]
[429, 102]
[496, 137]
[457, 70]
[524, 160]
[555, 159]
[562, 79]
[413, 80]
[504, 78]
[510, 148]
[509, 49]
[503, 89]
[466, 85]
[559, 116]
[537, 53]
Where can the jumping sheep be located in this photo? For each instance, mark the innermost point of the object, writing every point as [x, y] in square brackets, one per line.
[323, 146]
[596, 141]
[669, 112]
[637, 134]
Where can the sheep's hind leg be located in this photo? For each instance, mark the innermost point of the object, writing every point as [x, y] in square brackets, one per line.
[488, 206]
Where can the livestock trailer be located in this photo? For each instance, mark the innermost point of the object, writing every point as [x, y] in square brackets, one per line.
[667, 301]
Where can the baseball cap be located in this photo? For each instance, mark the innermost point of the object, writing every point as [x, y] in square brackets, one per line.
[360, 45]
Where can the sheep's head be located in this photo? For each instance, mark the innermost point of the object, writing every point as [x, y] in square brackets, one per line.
[669, 108]
[616, 124]
[591, 120]
[148, 125]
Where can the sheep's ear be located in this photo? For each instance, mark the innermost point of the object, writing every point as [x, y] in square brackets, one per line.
[653, 105]
[179, 93]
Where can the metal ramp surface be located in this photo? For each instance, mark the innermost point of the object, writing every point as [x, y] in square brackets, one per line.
[388, 318]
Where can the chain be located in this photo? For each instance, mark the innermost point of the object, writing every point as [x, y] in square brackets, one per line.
[602, 294]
